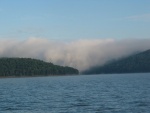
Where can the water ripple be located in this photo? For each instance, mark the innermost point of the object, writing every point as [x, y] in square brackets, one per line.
[76, 94]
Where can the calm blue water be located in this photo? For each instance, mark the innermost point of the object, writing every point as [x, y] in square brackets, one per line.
[126, 93]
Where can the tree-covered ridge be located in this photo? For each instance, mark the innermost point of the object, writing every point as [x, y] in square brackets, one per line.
[31, 67]
[138, 63]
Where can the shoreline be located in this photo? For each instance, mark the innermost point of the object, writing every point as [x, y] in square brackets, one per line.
[5, 77]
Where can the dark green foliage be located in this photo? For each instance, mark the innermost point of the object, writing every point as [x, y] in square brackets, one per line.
[138, 63]
[31, 67]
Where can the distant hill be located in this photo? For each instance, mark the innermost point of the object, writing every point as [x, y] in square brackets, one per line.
[138, 63]
[31, 67]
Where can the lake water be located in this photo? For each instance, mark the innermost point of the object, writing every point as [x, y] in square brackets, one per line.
[116, 93]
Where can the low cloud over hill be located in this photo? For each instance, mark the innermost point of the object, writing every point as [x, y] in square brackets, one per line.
[80, 54]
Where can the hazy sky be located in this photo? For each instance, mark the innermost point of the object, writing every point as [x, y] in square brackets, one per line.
[74, 19]
[77, 33]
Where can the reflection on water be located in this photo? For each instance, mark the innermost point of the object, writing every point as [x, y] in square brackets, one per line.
[126, 93]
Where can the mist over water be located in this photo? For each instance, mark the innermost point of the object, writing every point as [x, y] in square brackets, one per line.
[81, 54]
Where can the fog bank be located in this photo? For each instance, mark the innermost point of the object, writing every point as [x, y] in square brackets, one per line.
[80, 54]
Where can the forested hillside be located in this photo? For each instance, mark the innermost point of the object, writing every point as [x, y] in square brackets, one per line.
[31, 67]
[139, 63]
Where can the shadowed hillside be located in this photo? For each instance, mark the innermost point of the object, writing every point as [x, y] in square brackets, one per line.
[139, 63]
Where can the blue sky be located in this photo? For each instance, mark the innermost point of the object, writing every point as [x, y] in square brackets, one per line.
[75, 19]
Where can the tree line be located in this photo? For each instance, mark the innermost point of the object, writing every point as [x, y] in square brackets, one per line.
[31, 67]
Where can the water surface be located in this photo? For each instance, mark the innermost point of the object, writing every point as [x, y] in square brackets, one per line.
[116, 93]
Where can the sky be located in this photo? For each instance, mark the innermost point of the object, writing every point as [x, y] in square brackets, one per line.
[74, 19]
[76, 33]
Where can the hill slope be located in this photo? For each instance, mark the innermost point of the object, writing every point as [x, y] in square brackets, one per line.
[133, 64]
[31, 67]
